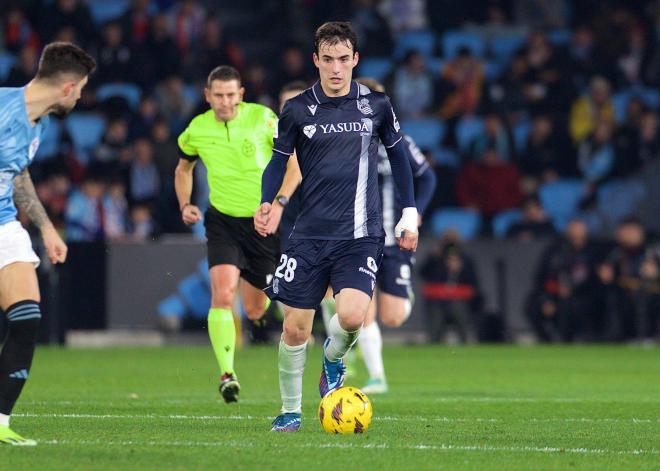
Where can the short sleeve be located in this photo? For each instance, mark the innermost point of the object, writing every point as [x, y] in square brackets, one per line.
[389, 130]
[187, 148]
[284, 140]
[270, 121]
[418, 162]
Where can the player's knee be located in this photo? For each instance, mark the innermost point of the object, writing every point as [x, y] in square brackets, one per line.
[254, 312]
[352, 318]
[295, 334]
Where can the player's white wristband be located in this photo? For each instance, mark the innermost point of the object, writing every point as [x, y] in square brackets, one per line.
[408, 221]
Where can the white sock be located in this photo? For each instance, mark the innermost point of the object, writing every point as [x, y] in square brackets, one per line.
[4, 420]
[371, 345]
[328, 309]
[341, 340]
[291, 366]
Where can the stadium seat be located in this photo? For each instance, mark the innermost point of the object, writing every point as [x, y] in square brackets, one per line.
[7, 61]
[505, 46]
[649, 96]
[504, 220]
[452, 41]
[376, 68]
[435, 65]
[172, 306]
[619, 199]
[446, 157]
[520, 134]
[560, 37]
[427, 133]
[422, 41]
[103, 11]
[196, 295]
[561, 199]
[128, 91]
[50, 145]
[494, 69]
[464, 221]
[466, 130]
[203, 270]
[86, 131]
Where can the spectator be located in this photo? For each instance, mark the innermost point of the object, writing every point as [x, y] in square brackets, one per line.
[84, 217]
[160, 58]
[25, 69]
[507, 94]
[115, 210]
[142, 224]
[136, 21]
[186, 20]
[113, 152]
[631, 284]
[214, 49]
[413, 87]
[535, 223]
[460, 86]
[293, 66]
[451, 290]
[166, 158]
[489, 185]
[114, 56]
[67, 13]
[144, 183]
[562, 304]
[596, 154]
[496, 135]
[173, 103]
[18, 32]
[584, 60]
[590, 109]
[404, 15]
[372, 30]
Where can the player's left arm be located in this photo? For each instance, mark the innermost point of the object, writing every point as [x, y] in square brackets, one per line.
[26, 200]
[406, 229]
[423, 175]
[292, 179]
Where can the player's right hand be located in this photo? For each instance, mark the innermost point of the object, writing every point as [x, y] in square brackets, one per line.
[262, 218]
[190, 214]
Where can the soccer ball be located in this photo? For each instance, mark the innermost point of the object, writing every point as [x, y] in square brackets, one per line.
[345, 410]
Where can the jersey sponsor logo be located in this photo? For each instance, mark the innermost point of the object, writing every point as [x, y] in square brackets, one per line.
[309, 130]
[312, 109]
[397, 127]
[364, 107]
[370, 273]
[34, 145]
[362, 127]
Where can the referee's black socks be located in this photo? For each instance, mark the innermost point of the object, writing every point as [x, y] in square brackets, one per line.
[17, 351]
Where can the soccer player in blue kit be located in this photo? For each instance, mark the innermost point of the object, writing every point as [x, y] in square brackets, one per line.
[335, 128]
[63, 72]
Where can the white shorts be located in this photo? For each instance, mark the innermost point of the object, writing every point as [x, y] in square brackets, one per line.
[15, 245]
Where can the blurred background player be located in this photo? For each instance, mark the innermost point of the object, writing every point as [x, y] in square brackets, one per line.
[63, 72]
[334, 128]
[234, 139]
[393, 298]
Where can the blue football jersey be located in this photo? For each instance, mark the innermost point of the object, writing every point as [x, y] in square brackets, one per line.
[19, 141]
[336, 141]
[390, 200]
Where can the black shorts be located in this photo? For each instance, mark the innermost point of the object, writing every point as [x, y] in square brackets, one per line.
[233, 241]
[308, 266]
[395, 273]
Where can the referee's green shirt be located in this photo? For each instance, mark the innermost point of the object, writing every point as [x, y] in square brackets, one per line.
[235, 154]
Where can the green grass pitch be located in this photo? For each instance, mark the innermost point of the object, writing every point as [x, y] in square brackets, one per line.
[479, 408]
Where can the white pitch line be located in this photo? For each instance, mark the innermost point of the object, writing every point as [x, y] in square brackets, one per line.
[632, 420]
[419, 447]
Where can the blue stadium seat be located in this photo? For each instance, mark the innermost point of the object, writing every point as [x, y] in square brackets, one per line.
[504, 220]
[203, 270]
[520, 134]
[505, 46]
[560, 37]
[561, 199]
[103, 11]
[128, 91]
[619, 199]
[494, 69]
[435, 65]
[50, 145]
[427, 133]
[86, 131]
[376, 68]
[466, 130]
[464, 221]
[196, 295]
[7, 61]
[452, 41]
[446, 157]
[422, 41]
[620, 100]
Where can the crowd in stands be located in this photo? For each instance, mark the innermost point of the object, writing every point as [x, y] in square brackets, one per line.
[538, 117]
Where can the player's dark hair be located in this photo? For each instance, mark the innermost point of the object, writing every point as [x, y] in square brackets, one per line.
[295, 85]
[60, 58]
[335, 32]
[224, 73]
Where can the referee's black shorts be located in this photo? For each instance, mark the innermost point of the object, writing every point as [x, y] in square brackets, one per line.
[233, 241]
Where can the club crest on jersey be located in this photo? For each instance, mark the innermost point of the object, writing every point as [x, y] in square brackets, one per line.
[364, 107]
[309, 130]
[34, 145]
[312, 109]
[371, 263]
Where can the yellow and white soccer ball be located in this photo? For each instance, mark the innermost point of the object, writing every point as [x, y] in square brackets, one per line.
[345, 410]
